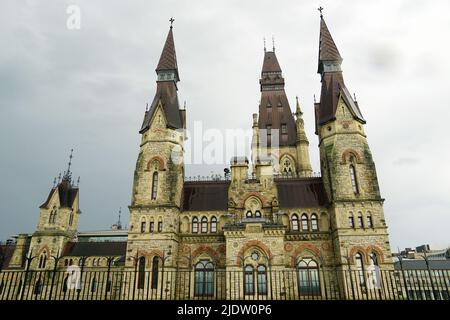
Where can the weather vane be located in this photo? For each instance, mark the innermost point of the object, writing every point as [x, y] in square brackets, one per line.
[320, 10]
[171, 22]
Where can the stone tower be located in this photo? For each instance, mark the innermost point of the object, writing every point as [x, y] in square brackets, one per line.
[58, 223]
[359, 229]
[275, 131]
[158, 177]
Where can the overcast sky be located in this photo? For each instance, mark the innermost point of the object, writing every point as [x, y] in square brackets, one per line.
[86, 89]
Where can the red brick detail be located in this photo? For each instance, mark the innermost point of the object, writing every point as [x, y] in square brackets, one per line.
[377, 251]
[159, 159]
[346, 154]
[205, 249]
[253, 243]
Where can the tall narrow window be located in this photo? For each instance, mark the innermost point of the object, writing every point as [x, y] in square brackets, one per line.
[213, 225]
[308, 277]
[94, 285]
[204, 279]
[305, 224]
[262, 280]
[71, 217]
[38, 287]
[160, 225]
[141, 273]
[155, 185]
[269, 130]
[155, 266]
[248, 280]
[314, 222]
[284, 128]
[42, 260]
[152, 226]
[360, 268]
[351, 222]
[194, 225]
[204, 225]
[369, 221]
[360, 220]
[143, 226]
[353, 178]
[294, 222]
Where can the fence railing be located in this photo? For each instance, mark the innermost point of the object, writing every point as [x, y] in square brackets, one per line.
[97, 284]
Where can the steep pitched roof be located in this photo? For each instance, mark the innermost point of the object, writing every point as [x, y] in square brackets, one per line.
[328, 50]
[270, 62]
[67, 194]
[168, 59]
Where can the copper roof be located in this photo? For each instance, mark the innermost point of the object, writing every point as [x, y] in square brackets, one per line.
[327, 48]
[301, 193]
[205, 195]
[107, 249]
[168, 59]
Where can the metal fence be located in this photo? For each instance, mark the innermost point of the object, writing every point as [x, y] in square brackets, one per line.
[299, 284]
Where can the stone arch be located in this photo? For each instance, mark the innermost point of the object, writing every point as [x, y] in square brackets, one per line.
[208, 250]
[346, 155]
[377, 251]
[306, 248]
[159, 161]
[359, 249]
[287, 162]
[264, 202]
[253, 243]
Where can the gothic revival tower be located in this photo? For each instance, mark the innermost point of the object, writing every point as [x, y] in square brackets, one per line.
[159, 174]
[275, 131]
[58, 222]
[359, 229]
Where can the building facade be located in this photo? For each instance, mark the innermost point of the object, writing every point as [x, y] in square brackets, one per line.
[232, 236]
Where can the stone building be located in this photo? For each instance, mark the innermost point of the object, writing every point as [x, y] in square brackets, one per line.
[270, 226]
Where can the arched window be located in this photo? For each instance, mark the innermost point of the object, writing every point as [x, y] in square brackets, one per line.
[294, 222]
[52, 218]
[374, 258]
[248, 280]
[155, 266]
[143, 226]
[360, 268]
[353, 178]
[369, 221]
[204, 225]
[262, 279]
[141, 273]
[94, 284]
[160, 226]
[71, 217]
[249, 214]
[360, 220]
[38, 287]
[42, 260]
[314, 222]
[152, 226]
[305, 224]
[308, 277]
[204, 279]
[258, 214]
[213, 224]
[154, 185]
[351, 221]
[194, 225]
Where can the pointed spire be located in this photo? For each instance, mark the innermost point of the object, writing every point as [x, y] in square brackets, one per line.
[270, 63]
[328, 51]
[168, 59]
[298, 110]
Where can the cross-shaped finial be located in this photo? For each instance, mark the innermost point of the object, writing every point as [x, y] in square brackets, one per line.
[320, 10]
[171, 22]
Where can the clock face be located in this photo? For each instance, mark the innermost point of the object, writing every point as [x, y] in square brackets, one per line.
[255, 255]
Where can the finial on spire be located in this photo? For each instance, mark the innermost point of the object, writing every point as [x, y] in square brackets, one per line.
[273, 43]
[184, 105]
[54, 182]
[320, 10]
[59, 177]
[146, 107]
[264, 39]
[68, 175]
[171, 22]
[354, 96]
[78, 181]
[119, 223]
[298, 111]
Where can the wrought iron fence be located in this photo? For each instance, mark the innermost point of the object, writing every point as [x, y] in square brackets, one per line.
[209, 284]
